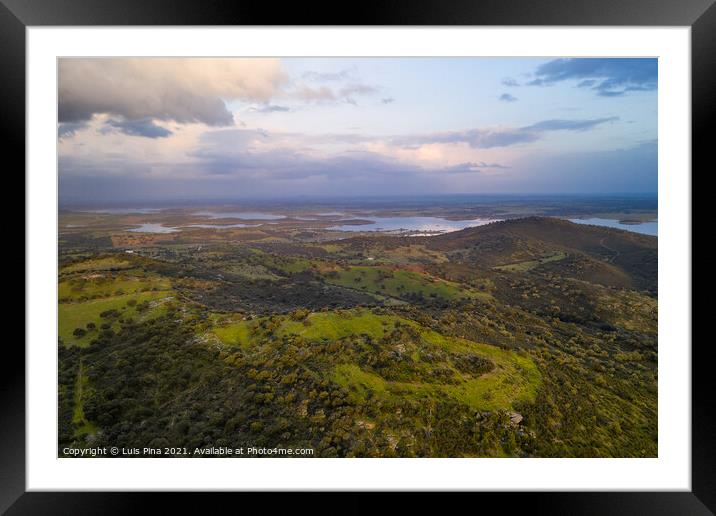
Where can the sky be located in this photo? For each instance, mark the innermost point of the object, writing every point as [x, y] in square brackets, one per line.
[133, 129]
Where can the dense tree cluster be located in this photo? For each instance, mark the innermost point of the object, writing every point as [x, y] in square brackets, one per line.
[153, 384]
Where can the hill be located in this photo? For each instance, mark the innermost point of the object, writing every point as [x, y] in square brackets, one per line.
[600, 255]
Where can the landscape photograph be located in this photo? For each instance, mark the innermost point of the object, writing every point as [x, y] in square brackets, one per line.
[357, 257]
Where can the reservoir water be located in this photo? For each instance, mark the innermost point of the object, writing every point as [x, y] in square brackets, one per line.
[220, 226]
[153, 228]
[427, 224]
[645, 228]
[243, 215]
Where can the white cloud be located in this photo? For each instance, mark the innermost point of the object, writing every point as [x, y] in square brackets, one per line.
[182, 90]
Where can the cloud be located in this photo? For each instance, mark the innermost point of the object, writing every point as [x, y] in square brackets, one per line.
[506, 97]
[501, 137]
[475, 138]
[608, 77]
[310, 94]
[271, 108]
[472, 166]
[619, 172]
[351, 90]
[569, 125]
[631, 169]
[347, 86]
[587, 83]
[509, 81]
[70, 129]
[181, 90]
[287, 163]
[236, 152]
[387, 100]
[144, 127]
[327, 76]
[357, 89]
[345, 93]
[251, 162]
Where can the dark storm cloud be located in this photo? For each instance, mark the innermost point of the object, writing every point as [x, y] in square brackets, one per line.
[506, 97]
[144, 127]
[609, 77]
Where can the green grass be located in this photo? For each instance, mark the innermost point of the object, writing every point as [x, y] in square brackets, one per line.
[250, 271]
[514, 379]
[339, 325]
[399, 283]
[235, 334]
[287, 265]
[97, 264]
[105, 285]
[407, 255]
[83, 298]
[317, 326]
[360, 382]
[78, 315]
[528, 265]
[83, 427]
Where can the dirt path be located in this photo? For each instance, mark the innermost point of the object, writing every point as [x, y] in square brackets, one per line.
[615, 253]
[78, 416]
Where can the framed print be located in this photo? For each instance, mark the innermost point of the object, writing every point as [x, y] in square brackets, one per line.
[430, 249]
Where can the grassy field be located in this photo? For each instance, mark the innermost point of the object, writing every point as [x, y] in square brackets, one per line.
[515, 379]
[235, 334]
[339, 325]
[97, 285]
[98, 264]
[316, 326]
[88, 290]
[84, 427]
[399, 283]
[514, 376]
[528, 265]
[250, 271]
[78, 315]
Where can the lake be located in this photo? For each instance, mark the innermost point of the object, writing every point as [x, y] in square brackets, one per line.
[123, 211]
[426, 224]
[645, 228]
[243, 215]
[153, 228]
[220, 226]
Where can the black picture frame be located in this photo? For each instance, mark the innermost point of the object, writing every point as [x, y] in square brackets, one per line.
[17, 15]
